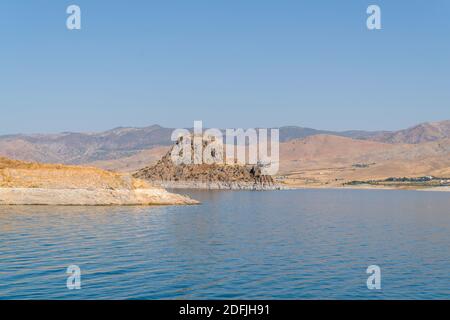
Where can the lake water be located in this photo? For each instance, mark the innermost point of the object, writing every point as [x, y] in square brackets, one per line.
[303, 244]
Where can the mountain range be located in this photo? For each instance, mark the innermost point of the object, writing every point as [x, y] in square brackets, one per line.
[424, 148]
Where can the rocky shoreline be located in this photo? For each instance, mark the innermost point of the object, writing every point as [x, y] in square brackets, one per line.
[218, 185]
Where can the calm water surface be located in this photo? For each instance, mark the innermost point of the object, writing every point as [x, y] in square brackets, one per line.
[301, 244]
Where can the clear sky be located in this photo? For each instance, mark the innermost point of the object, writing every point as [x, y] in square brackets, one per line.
[230, 63]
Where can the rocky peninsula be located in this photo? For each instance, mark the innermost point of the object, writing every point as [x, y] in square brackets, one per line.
[25, 183]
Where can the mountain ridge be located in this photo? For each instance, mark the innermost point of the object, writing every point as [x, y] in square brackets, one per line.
[136, 142]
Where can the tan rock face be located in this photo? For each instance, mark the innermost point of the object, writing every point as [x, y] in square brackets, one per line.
[24, 183]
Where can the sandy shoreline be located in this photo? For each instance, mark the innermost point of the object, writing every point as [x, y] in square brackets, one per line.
[91, 197]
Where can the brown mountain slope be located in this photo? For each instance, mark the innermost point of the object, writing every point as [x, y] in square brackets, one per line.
[425, 132]
[336, 160]
[82, 148]
[328, 148]
[133, 163]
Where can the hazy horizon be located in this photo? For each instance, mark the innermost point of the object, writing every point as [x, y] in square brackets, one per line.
[231, 64]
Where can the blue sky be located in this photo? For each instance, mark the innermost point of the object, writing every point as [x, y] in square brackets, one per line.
[229, 63]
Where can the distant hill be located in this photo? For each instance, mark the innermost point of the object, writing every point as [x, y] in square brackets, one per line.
[293, 132]
[288, 133]
[82, 148]
[425, 132]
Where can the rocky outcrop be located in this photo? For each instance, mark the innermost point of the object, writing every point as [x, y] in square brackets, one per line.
[167, 174]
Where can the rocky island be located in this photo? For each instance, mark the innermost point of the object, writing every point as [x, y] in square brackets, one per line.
[215, 176]
[26, 183]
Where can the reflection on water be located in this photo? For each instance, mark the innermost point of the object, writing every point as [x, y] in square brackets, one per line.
[288, 244]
